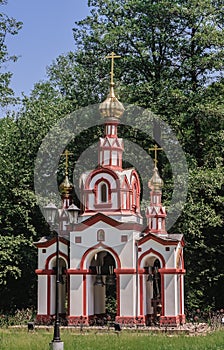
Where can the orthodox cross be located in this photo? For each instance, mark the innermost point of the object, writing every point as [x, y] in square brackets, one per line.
[66, 154]
[112, 56]
[155, 149]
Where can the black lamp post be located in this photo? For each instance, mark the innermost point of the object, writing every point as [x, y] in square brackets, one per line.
[50, 212]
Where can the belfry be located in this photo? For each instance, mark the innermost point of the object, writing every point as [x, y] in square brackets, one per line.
[110, 264]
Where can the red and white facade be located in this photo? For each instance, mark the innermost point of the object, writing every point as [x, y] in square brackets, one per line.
[110, 243]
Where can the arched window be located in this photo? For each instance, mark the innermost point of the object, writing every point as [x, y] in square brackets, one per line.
[103, 193]
[134, 199]
[154, 223]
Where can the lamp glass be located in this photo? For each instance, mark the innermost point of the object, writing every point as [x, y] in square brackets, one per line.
[73, 212]
[50, 211]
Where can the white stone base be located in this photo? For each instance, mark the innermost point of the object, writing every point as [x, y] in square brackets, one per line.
[57, 345]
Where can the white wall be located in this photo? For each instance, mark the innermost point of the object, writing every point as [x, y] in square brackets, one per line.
[170, 284]
[125, 250]
[76, 294]
[127, 295]
[42, 295]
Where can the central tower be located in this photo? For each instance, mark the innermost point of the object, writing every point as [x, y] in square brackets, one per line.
[110, 189]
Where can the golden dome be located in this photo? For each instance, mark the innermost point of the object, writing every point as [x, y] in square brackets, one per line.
[111, 107]
[66, 186]
[155, 183]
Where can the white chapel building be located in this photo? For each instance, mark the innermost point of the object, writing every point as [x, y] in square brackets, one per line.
[109, 256]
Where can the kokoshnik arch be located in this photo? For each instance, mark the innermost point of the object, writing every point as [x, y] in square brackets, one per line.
[109, 253]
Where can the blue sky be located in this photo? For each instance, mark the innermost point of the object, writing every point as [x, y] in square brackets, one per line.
[46, 33]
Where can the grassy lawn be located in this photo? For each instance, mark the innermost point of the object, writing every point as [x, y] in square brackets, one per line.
[20, 339]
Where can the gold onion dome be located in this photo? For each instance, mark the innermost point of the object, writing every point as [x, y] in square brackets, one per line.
[155, 183]
[111, 107]
[66, 187]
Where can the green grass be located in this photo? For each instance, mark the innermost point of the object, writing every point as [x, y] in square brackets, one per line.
[20, 339]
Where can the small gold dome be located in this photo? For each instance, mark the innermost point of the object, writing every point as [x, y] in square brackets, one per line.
[66, 186]
[111, 107]
[155, 182]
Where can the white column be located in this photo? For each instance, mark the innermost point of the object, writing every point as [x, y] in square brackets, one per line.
[127, 295]
[170, 295]
[76, 295]
[99, 300]
[42, 295]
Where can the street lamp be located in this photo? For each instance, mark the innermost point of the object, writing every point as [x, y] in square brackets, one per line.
[73, 212]
[50, 212]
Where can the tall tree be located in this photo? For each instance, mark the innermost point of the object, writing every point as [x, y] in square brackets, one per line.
[172, 62]
[172, 50]
[8, 26]
[21, 221]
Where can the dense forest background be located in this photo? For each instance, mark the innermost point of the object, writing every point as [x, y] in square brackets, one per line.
[172, 63]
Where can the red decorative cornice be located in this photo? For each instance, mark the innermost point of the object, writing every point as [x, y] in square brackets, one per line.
[61, 254]
[44, 272]
[172, 271]
[51, 241]
[88, 251]
[154, 252]
[77, 271]
[98, 171]
[159, 239]
[125, 271]
[171, 321]
[112, 222]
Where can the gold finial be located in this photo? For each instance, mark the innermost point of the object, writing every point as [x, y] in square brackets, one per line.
[66, 186]
[155, 183]
[155, 149]
[111, 107]
[112, 56]
[66, 154]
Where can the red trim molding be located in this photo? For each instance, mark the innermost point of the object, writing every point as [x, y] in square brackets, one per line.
[48, 243]
[101, 217]
[141, 293]
[103, 205]
[44, 319]
[158, 239]
[172, 271]
[182, 318]
[118, 295]
[44, 272]
[78, 320]
[88, 251]
[77, 272]
[130, 320]
[98, 171]
[162, 295]
[48, 294]
[84, 294]
[61, 255]
[148, 252]
[171, 321]
[120, 271]
[180, 291]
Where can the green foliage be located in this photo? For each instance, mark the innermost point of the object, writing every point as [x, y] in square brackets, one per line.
[20, 317]
[172, 62]
[8, 26]
[20, 220]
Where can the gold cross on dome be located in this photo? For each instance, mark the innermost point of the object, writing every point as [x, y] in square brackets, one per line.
[155, 149]
[66, 154]
[112, 56]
